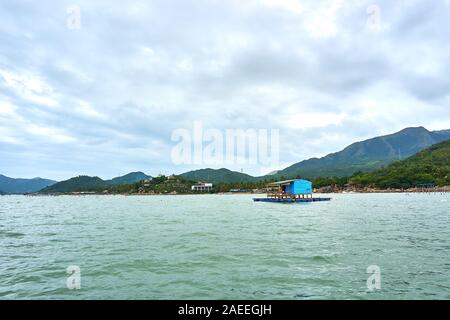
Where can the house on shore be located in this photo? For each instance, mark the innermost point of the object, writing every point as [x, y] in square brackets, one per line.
[202, 187]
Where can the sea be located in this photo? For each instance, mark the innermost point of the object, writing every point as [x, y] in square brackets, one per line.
[357, 246]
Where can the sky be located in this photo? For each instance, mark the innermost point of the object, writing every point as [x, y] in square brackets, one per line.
[99, 87]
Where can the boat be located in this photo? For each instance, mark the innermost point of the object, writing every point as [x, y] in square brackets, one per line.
[291, 191]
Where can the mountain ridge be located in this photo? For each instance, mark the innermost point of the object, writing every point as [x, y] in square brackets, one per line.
[361, 156]
[85, 183]
[429, 166]
[21, 185]
[369, 154]
[222, 175]
[131, 177]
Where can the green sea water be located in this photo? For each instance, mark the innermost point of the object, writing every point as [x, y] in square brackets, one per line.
[225, 247]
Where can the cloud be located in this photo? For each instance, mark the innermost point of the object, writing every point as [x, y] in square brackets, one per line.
[104, 99]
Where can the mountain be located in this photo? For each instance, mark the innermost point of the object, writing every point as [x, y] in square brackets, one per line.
[431, 165]
[368, 155]
[77, 184]
[217, 176]
[86, 183]
[129, 178]
[11, 185]
[364, 156]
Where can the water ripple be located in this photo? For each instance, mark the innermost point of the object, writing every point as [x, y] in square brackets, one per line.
[224, 247]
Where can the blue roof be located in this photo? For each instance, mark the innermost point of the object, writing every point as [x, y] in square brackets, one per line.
[286, 181]
[298, 186]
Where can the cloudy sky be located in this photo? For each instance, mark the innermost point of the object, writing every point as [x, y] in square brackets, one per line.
[102, 95]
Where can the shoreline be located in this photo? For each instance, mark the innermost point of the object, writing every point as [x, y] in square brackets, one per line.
[374, 191]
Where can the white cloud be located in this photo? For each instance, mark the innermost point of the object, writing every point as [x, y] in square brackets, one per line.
[29, 87]
[8, 110]
[105, 98]
[294, 6]
[313, 120]
[49, 134]
[321, 20]
[86, 109]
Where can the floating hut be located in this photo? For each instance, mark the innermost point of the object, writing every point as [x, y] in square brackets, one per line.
[297, 190]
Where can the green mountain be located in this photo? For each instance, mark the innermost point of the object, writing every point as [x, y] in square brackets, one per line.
[431, 165]
[77, 184]
[368, 155]
[217, 176]
[11, 185]
[86, 183]
[364, 156]
[129, 178]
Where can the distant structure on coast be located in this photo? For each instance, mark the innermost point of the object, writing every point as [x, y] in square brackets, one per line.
[425, 186]
[297, 190]
[202, 187]
[238, 190]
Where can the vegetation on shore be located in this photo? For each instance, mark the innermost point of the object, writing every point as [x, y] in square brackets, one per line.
[363, 156]
[94, 184]
[367, 164]
[430, 166]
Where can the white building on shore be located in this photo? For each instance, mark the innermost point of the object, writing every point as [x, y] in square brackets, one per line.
[202, 187]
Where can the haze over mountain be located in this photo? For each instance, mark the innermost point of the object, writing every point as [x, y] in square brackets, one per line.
[12, 185]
